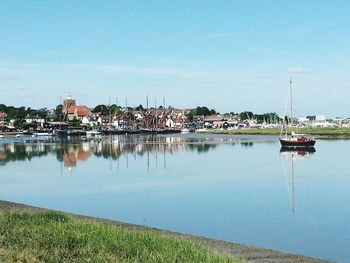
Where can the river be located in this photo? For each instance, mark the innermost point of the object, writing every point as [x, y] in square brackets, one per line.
[236, 188]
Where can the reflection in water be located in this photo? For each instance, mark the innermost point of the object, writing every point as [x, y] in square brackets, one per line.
[72, 152]
[290, 155]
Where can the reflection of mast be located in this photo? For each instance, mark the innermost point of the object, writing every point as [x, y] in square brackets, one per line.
[293, 185]
[127, 161]
[62, 159]
[147, 159]
[301, 153]
[110, 154]
[156, 159]
[164, 157]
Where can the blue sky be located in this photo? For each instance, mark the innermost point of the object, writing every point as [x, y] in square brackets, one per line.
[229, 55]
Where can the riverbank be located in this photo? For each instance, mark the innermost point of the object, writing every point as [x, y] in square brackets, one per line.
[157, 245]
[317, 132]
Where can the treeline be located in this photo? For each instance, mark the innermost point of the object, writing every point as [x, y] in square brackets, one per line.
[18, 113]
[201, 111]
[270, 117]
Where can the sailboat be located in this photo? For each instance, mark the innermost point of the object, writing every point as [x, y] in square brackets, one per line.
[288, 137]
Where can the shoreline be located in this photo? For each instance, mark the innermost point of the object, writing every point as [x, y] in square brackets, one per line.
[248, 253]
[318, 133]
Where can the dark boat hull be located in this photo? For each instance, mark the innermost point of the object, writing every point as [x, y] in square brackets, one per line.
[159, 131]
[296, 144]
[147, 131]
[113, 132]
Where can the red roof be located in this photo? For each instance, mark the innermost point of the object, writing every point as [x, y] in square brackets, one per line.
[81, 111]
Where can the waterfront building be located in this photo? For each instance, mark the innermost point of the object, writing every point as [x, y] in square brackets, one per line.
[35, 120]
[77, 112]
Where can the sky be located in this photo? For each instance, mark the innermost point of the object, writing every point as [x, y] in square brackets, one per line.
[231, 55]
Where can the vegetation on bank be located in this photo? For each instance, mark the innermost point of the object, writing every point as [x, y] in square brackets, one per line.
[55, 237]
[334, 132]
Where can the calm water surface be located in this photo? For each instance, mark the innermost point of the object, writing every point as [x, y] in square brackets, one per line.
[240, 189]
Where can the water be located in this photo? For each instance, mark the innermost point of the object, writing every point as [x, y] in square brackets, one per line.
[239, 189]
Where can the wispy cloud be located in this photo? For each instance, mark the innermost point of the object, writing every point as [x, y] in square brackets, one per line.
[300, 70]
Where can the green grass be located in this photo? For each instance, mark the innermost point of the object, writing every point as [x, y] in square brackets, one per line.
[334, 132]
[55, 237]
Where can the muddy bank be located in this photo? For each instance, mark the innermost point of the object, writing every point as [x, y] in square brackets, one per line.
[250, 254]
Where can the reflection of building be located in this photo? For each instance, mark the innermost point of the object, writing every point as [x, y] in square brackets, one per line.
[71, 158]
[2, 156]
[109, 148]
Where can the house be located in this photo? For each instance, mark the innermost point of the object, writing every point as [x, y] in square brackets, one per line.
[77, 112]
[170, 123]
[89, 121]
[35, 120]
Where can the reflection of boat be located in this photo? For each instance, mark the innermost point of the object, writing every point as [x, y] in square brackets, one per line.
[289, 138]
[158, 131]
[28, 133]
[294, 154]
[93, 133]
[185, 131]
[60, 133]
[301, 151]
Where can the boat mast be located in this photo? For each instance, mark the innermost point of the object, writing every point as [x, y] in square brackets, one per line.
[291, 105]
[109, 113]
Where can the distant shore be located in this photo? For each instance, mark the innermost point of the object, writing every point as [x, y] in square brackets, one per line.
[247, 253]
[317, 132]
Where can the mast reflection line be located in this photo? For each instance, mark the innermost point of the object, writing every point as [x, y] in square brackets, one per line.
[286, 181]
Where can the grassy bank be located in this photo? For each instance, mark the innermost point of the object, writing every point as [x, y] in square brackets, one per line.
[331, 132]
[56, 237]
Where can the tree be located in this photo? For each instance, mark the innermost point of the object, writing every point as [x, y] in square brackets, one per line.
[101, 108]
[201, 111]
[75, 121]
[59, 112]
[139, 108]
[246, 115]
[3, 108]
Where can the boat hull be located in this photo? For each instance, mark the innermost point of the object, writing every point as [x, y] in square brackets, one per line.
[297, 144]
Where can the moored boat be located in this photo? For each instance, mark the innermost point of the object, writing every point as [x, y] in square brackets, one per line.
[297, 140]
[288, 138]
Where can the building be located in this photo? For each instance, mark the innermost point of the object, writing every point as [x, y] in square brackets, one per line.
[35, 120]
[67, 103]
[3, 117]
[77, 112]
